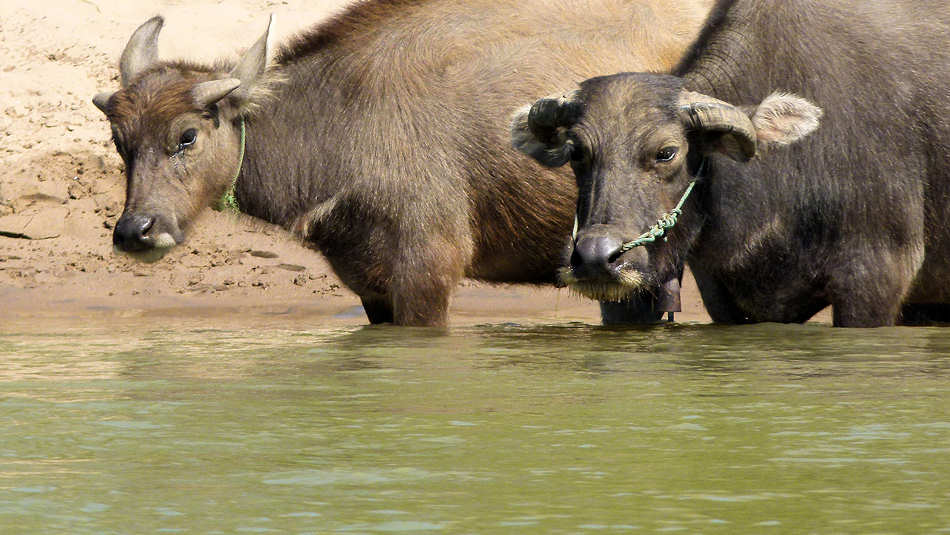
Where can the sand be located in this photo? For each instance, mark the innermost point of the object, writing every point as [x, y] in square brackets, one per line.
[62, 189]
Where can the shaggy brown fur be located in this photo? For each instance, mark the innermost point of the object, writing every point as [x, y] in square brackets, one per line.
[385, 143]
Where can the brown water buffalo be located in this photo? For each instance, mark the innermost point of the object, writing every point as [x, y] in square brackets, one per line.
[852, 215]
[380, 138]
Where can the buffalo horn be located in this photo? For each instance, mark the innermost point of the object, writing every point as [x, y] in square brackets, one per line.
[550, 113]
[253, 63]
[141, 51]
[101, 100]
[207, 93]
[702, 112]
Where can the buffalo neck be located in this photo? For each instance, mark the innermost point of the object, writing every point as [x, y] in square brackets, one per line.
[274, 182]
[722, 60]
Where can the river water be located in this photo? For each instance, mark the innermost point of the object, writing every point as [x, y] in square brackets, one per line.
[486, 429]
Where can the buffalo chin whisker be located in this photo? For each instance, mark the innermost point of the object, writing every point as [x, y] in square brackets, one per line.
[627, 284]
[149, 256]
[165, 241]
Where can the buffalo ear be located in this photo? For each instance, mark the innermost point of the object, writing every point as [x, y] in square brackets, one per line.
[783, 118]
[742, 132]
[102, 101]
[252, 65]
[540, 130]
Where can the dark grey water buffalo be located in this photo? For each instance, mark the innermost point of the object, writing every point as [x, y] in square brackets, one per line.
[852, 215]
[380, 138]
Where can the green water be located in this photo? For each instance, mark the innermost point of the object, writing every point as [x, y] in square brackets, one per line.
[489, 429]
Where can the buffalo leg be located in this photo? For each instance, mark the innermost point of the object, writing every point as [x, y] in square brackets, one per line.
[421, 303]
[867, 303]
[377, 310]
[638, 309]
[868, 290]
[644, 307]
[719, 303]
[425, 272]
[859, 313]
[925, 314]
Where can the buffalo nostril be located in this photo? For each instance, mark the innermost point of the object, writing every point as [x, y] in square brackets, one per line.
[615, 254]
[145, 226]
[595, 253]
[131, 233]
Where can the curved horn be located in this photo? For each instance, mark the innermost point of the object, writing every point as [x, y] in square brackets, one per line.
[538, 130]
[141, 51]
[550, 113]
[253, 63]
[702, 112]
[207, 93]
[101, 100]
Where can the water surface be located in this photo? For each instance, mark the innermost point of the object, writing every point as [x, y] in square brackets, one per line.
[487, 429]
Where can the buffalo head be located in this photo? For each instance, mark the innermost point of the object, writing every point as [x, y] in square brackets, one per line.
[635, 143]
[177, 127]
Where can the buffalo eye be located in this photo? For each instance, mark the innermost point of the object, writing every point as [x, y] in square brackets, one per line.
[188, 138]
[666, 154]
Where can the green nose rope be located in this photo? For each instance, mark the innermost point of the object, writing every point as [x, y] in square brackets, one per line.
[666, 221]
[228, 202]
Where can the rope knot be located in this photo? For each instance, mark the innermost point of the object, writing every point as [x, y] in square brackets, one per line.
[666, 222]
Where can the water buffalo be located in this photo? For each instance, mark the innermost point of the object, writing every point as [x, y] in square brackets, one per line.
[379, 137]
[852, 215]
